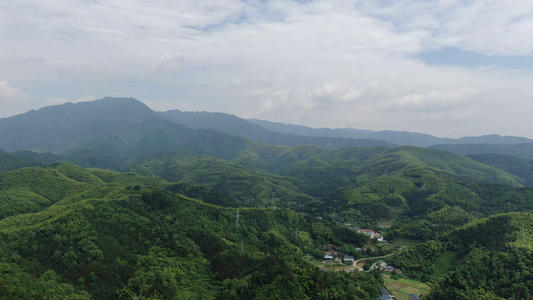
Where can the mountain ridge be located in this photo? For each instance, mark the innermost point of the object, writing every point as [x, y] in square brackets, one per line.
[402, 138]
[55, 133]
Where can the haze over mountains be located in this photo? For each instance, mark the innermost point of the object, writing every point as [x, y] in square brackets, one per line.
[56, 128]
[186, 177]
[125, 130]
[242, 127]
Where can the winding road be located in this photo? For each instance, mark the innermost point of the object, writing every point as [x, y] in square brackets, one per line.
[368, 258]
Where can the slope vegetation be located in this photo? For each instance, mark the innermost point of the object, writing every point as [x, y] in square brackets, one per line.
[107, 235]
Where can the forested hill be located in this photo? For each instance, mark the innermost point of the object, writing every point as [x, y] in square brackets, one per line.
[421, 192]
[520, 167]
[9, 161]
[69, 233]
[488, 258]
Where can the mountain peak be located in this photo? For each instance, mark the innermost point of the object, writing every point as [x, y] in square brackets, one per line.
[55, 127]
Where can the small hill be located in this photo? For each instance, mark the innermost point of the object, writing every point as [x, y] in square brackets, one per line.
[245, 187]
[496, 268]
[34, 189]
[10, 161]
[517, 166]
[359, 184]
[487, 258]
[367, 163]
[498, 232]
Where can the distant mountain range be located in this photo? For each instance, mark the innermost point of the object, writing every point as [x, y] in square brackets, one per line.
[110, 124]
[395, 137]
[292, 135]
[240, 127]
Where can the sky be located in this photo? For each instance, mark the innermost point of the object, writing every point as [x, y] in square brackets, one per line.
[449, 68]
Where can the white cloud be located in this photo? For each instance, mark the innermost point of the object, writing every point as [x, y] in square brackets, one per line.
[337, 92]
[488, 27]
[441, 100]
[13, 100]
[319, 63]
[62, 100]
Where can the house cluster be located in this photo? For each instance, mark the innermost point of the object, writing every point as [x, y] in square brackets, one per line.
[332, 252]
[371, 233]
[384, 267]
[365, 250]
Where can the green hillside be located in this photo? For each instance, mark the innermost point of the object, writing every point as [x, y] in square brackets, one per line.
[517, 166]
[487, 258]
[10, 161]
[357, 184]
[247, 187]
[102, 235]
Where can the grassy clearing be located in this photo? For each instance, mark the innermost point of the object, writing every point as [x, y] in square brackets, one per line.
[444, 263]
[406, 243]
[384, 224]
[402, 287]
[335, 266]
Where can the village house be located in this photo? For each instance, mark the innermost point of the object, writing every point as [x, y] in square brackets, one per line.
[372, 234]
[413, 297]
[385, 295]
[384, 267]
[381, 264]
[389, 269]
[348, 259]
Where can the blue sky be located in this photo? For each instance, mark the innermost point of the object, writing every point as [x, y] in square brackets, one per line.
[457, 57]
[450, 68]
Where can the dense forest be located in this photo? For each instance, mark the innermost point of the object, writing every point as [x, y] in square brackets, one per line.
[73, 233]
[134, 206]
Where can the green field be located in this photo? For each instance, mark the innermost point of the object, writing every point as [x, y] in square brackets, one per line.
[402, 287]
[406, 243]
